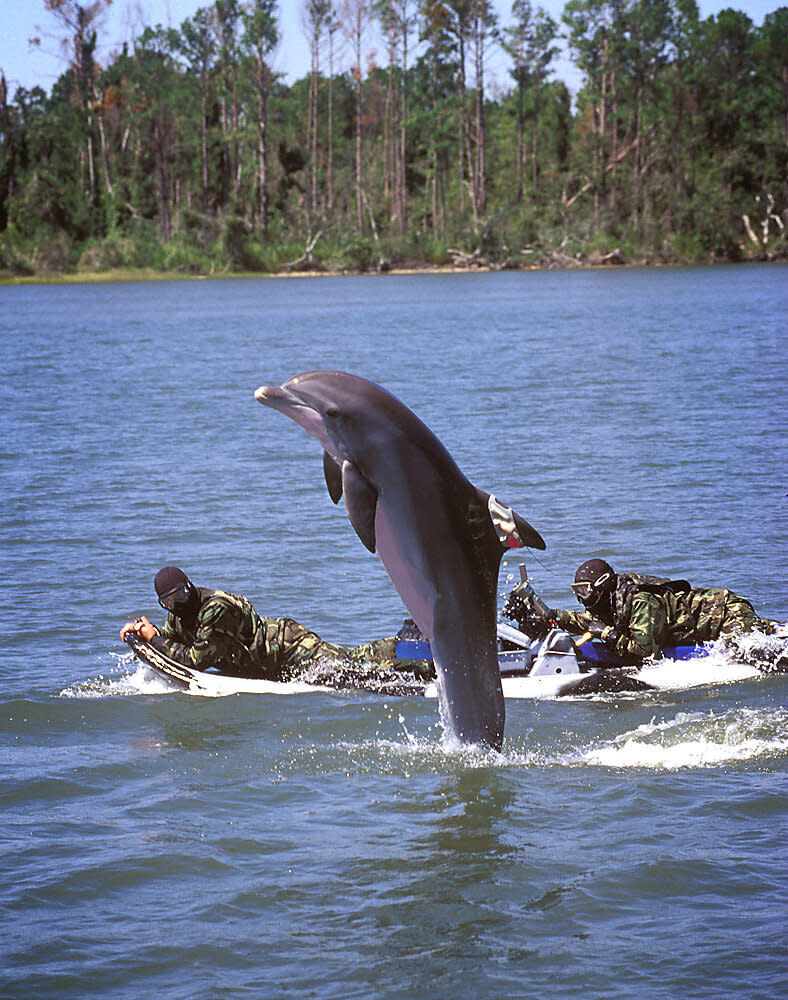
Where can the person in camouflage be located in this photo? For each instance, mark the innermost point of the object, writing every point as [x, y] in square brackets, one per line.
[211, 628]
[637, 616]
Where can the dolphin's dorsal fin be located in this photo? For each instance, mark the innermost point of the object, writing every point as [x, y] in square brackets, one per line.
[361, 499]
[513, 531]
[333, 474]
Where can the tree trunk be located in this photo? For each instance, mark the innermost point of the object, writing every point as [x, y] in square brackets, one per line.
[462, 120]
[313, 122]
[204, 149]
[359, 206]
[520, 131]
[330, 170]
[479, 182]
[614, 146]
[402, 172]
[162, 181]
[262, 150]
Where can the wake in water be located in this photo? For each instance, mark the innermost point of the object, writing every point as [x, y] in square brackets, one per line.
[692, 740]
[689, 740]
[131, 677]
[728, 661]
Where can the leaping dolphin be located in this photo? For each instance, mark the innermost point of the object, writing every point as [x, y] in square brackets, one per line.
[439, 537]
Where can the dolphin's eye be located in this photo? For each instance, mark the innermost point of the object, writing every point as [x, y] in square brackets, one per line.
[333, 413]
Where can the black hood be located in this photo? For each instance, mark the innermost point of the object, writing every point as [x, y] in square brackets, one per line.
[170, 579]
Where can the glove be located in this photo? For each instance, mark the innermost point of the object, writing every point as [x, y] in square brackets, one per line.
[601, 631]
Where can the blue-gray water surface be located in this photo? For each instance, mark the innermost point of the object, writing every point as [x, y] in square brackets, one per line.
[331, 845]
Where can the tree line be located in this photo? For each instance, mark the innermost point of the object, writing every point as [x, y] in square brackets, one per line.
[188, 151]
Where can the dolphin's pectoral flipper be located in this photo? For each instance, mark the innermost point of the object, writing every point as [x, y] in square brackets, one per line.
[361, 499]
[333, 474]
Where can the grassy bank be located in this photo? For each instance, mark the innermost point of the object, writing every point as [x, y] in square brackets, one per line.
[123, 259]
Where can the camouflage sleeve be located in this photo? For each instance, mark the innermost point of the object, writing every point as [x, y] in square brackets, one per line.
[210, 642]
[167, 630]
[646, 629]
[576, 622]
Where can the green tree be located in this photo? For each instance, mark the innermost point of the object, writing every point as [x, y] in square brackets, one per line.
[772, 55]
[645, 57]
[155, 113]
[529, 41]
[197, 44]
[261, 37]
[81, 21]
[590, 24]
[483, 32]
[227, 19]
[437, 113]
[355, 17]
[50, 205]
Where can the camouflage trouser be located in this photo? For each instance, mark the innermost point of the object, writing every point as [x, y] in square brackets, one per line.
[382, 652]
[717, 611]
[739, 616]
[379, 651]
[371, 665]
[299, 645]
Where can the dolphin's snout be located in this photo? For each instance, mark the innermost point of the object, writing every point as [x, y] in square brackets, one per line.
[280, 397]
[291, 404]
[276, 396]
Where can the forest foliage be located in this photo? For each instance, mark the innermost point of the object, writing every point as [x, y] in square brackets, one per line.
[188, 151]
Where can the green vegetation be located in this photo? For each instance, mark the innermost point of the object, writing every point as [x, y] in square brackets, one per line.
[188, 154]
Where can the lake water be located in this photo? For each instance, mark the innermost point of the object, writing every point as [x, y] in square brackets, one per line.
[329, 844]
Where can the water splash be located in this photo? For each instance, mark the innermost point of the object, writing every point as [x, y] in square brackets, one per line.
[135, 678]
[360, 675]
[767, 653]
[136, 681]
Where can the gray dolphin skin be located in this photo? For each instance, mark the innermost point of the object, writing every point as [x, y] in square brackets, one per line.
[439, 537]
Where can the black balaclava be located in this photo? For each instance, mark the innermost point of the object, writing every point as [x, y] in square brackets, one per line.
[597, 597]
[177, 594]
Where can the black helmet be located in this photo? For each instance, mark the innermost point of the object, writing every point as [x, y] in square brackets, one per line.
[175, 590]
[594, 580]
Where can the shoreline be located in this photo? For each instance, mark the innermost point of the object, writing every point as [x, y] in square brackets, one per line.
[131, 275]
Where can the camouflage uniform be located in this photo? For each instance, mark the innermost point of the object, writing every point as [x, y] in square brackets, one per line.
[650, 613]
[231, 636]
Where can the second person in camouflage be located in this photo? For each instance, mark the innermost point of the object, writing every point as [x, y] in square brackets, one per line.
[639, 615]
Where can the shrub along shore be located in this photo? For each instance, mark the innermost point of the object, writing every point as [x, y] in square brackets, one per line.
[121, 259]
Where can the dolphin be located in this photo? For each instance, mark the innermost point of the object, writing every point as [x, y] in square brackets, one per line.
[439, 538]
